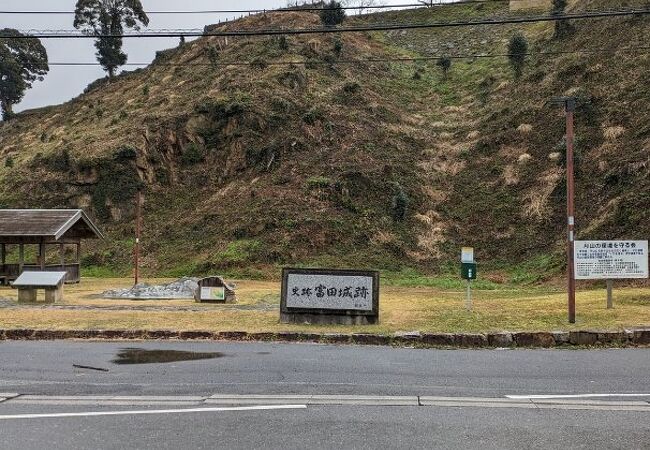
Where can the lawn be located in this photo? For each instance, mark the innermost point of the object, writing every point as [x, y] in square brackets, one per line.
[402, 308]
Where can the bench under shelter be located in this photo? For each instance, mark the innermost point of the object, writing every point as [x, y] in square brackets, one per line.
[40, 230]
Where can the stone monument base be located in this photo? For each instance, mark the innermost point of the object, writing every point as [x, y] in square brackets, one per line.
[327, 319]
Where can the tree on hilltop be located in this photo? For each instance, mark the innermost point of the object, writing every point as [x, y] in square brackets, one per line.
[332, 14]
[563, 27]
[107, 20]
[23, 60]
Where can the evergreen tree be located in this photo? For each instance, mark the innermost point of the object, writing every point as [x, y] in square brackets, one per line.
[107, 20]
[517, 50]
[445, 64]
[563, 27]
[332, 14]
[23, 60]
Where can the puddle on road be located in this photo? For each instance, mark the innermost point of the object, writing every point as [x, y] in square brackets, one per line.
[142, 356]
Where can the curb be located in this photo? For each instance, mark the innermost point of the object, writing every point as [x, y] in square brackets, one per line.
[523, 339]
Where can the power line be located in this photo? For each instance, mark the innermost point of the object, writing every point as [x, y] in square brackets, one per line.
[349, 29]
[637, 49]
[292, 9]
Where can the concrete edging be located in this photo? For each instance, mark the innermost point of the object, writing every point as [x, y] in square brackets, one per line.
[522, 339]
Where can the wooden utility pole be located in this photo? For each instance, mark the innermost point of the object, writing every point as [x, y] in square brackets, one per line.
[136, 249]
[569, 104]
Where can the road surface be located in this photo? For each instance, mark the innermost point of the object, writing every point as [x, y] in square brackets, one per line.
[257, 395]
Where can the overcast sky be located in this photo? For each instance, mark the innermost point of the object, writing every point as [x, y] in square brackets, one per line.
[64, 83]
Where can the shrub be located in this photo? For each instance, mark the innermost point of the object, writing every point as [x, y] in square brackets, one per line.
[312, 116]
[9, 162]
[259, 63]
[400, 204]
[338, 47]
[145, 91]
[517, 50]
[192, 155]
[445, 64]
[319, 182]
[125, 153]
[283, 43]
[213, 55]
[351, 87]
[332, 14]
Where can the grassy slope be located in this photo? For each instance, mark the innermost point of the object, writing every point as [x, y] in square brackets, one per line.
[249, 168]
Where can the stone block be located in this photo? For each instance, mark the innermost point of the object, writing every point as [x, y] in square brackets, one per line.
[335, 338]
[262, 336]
[439, 339]
[534, 339]
[87, 334]
[191, 335]
[583, 337]
[641, 337]
[471, 340]
[561, 337]
[19, 334]
[233, 335]
[500, 339]
[50, 335]
[407, 337]
[612, 338]
[371, 339]
[162, 334]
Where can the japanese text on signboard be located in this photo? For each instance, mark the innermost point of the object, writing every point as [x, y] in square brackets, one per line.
[611, 259]
[329, 292]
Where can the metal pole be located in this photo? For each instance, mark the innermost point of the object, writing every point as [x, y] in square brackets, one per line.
[570, 108]
[136, 252]
[610, 286]
[468, 301]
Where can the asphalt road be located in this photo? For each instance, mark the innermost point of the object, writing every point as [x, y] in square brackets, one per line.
[46, 369]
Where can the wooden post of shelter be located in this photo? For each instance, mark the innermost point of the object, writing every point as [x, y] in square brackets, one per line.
[21, 257]
[3, 251]
[41, 255]
[62, 255]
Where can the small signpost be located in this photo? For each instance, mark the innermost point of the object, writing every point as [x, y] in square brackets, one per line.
[611, 260]
[468, 272]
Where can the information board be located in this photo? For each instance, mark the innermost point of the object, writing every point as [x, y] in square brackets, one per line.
[608, 260]
[213, 293]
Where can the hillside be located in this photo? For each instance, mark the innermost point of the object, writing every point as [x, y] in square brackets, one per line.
[249, 167]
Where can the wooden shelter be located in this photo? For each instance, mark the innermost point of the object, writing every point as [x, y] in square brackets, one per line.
[43, 228]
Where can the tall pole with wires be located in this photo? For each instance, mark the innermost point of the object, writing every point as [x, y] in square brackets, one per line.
[138, 230]
[569, 104]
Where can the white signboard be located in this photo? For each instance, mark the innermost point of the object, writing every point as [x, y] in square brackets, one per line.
[467, 255]
[213, 293]
[336, 292]
[608, 260]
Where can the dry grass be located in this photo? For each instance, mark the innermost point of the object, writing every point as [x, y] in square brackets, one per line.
[423, 309]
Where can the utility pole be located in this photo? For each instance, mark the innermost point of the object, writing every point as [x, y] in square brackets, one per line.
[138, 220]
[569, 104]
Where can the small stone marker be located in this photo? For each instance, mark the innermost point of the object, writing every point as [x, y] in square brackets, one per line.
[29, 282]
[214, 290]
[323, 296]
